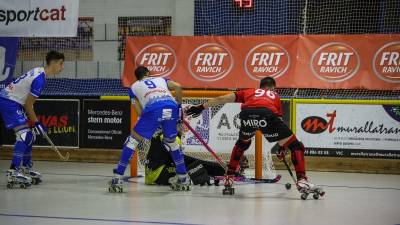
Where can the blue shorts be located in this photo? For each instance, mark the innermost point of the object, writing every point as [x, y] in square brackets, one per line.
[13, 113]
[165, 116]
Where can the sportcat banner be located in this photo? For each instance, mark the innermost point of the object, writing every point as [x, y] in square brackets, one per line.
[352, 130]
[308, 61]
[39, 18]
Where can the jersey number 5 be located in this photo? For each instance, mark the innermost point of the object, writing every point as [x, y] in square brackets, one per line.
[150, 84]
[261, 92]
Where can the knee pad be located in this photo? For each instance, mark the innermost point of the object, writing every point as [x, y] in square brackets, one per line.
[131, 143]
[171, 144]
[26, 136]
[243, 144]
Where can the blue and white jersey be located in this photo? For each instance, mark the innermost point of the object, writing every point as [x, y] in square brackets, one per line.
[32, 82]
[151, 92]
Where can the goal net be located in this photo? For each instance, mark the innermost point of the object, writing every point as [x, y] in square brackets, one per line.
[219, 128]
[296, 17]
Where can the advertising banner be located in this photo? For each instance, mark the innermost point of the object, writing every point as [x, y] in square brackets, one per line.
[295, 61]
[61, 117]
[105, 124]
[219, 128]
[8, 59]
[39, 18]
[354, 130]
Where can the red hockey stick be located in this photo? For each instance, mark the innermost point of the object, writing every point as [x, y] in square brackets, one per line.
[197, 135]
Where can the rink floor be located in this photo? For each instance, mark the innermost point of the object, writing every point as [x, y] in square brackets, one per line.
[76, 193]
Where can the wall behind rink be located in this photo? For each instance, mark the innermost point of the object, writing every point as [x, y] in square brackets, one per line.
[316, 158]
[106, 15]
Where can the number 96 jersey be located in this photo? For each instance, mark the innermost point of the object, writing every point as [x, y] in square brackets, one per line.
[260, 98]
[151, 92]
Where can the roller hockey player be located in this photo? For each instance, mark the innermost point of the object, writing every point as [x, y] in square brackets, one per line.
[160, 167]
[16, 103]
[156, 107]
[261, 110]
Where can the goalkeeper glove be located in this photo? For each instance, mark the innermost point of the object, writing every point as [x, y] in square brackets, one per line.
[195, 110]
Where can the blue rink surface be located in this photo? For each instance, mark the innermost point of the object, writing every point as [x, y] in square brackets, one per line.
[76, 193]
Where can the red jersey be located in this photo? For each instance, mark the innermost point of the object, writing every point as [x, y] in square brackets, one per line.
[260, 98]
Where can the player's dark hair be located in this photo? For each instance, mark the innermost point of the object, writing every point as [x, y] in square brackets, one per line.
[140, 72]
[267, 82]
[54, 55]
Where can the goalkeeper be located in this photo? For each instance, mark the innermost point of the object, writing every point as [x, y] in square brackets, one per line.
[160, 168]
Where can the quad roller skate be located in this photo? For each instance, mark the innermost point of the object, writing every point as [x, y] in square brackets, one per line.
[34, 175]
[305, 188]
[17, 178]
[228, 183]
[180, 183]
[116, 184]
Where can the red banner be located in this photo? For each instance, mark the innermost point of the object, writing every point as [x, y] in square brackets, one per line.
[309, 61]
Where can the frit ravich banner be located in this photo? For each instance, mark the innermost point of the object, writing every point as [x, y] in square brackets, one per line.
[310, 61]
[39, 18]
[353, 130]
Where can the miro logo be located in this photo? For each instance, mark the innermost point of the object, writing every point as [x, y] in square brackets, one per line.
[4, 69]
[317, 125]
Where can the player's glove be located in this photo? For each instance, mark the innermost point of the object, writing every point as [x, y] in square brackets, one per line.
[280, 153]
[194, 110]
[40, 128]
[198, 173]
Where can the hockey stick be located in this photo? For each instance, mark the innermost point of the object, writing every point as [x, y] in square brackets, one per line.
[64, 158]
[197, 135]
[253, 180]
[289, 170]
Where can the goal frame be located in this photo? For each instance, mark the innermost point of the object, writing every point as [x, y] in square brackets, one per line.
[203, 94]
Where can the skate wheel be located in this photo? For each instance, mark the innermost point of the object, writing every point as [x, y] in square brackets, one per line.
[10, 186]
[120, 189]
[112, 189]
[304, 196]
[224, 192]
[232, 191]
[288, 186]
[322, 193]
[316, 196]
[23, 186]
